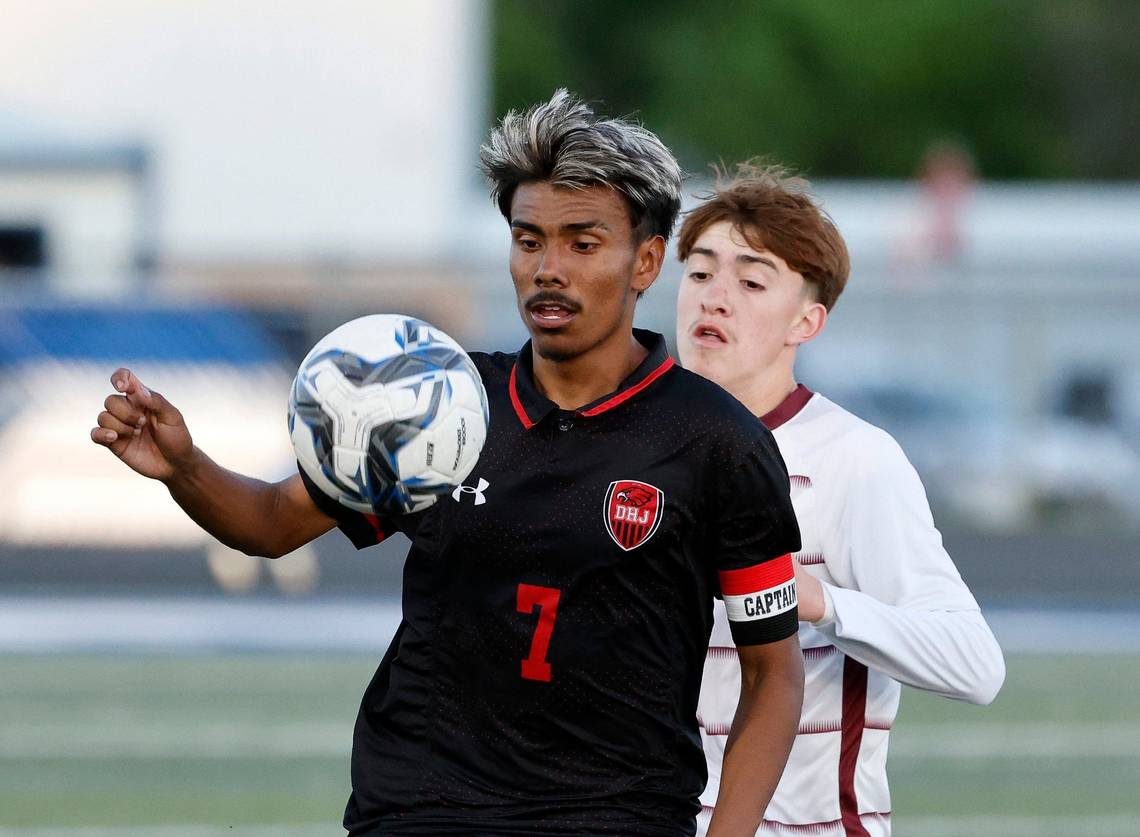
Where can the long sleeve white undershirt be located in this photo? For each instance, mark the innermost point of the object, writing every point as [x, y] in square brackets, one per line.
[949, 653]
[911, 616]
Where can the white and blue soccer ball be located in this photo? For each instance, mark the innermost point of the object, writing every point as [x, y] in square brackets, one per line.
[387, 413]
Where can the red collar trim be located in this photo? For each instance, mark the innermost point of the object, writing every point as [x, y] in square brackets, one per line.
[520, 411]
[625, 395]
[788, 408]
[531, 407]
[609, 404]
[377, 527]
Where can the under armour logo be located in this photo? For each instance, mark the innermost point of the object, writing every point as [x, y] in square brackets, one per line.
[456, 495]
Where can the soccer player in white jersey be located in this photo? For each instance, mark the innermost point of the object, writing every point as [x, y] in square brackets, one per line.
[880, 601]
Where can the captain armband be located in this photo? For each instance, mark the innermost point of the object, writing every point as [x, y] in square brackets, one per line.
[761, 601]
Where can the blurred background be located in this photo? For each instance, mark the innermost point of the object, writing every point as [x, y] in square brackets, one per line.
[202, 190]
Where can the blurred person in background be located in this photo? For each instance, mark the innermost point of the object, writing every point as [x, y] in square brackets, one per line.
[947, 178]
[598, 732]
[881, 602]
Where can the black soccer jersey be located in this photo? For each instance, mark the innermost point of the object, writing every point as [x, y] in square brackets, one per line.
[557, 609]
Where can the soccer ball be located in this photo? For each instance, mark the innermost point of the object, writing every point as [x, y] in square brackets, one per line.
[387, 413]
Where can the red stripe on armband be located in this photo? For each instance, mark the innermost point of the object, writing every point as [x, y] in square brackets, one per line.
[764, 576]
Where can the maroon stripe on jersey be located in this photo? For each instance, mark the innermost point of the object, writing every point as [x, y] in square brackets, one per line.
[821, 828]
[787, 409]
[715, 729]
[374, 521]
[799, 481]
[818, 727]
[827, 827]
[813, 728]
[854, 714]
[815, 652]
[764, 576]
[808, 559]
[802, 828]
[513, 388]
[625, 395]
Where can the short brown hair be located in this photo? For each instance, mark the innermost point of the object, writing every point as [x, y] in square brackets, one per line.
[773, 211]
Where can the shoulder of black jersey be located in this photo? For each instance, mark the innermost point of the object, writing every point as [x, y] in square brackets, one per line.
[730, 435]
[494, 367]
[714, 411]
[709, 397]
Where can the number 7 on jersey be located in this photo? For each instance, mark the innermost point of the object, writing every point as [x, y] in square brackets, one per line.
[530, 596]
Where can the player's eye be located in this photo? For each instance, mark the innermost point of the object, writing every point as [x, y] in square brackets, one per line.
[751, 284]
[698, 276]
[527, 243]
[585, 246]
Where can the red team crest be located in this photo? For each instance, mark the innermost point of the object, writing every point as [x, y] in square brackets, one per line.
[633, 511]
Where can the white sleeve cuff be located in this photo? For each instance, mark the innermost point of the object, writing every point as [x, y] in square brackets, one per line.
[828, 608]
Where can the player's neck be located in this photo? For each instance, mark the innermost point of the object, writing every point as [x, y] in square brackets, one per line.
[767, 390]
[576, 382]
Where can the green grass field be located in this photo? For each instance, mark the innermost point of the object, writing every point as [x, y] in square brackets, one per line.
[253, 746]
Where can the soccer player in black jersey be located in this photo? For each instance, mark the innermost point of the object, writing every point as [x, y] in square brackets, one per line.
[557, 607]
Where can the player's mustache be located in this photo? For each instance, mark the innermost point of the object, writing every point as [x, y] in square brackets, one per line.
[552, 298]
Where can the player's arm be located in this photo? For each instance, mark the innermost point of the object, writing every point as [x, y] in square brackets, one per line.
[755, 521]
[259, 518]
[148, 434]
[910, 615]
[761, 736]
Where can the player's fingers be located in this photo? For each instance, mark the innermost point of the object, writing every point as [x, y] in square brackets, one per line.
[124, 380]
[124, 411]
[103, 436]
[163, 410]
[128, 383]
[109, 422]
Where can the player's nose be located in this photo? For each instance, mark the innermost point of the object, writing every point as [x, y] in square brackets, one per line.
[714, 298]
[550, 271]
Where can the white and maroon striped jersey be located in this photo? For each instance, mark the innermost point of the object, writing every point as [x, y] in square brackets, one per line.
[899, 613]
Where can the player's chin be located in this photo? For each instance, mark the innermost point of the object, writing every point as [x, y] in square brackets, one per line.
[556, 345]
[702, 363]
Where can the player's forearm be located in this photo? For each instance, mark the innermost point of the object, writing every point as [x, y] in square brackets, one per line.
[949, 653]
[239, 511]
[763, 730]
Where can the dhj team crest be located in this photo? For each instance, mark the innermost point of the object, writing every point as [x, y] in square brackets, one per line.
[633, 512]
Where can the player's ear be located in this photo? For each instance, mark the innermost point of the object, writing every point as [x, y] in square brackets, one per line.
[812, 318]
[650, 257]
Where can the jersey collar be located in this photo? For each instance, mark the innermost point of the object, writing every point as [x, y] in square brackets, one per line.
[787, 409]
[531, 406]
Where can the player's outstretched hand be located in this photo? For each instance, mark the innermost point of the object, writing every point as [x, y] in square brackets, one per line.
[143, 429]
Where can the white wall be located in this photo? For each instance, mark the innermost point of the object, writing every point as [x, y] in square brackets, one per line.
[281, 129]
[91, 219]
